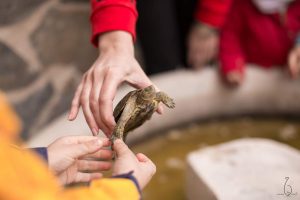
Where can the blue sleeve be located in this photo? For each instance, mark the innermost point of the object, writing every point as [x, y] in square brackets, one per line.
[41, 151]
[131, 177]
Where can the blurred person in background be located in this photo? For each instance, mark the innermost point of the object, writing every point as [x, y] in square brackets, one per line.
[163, 32]
[262, 32]
[175, 33]
[25, 175]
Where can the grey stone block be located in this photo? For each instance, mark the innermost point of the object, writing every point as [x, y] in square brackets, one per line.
[63, 37]
[13, 70]
[244, 169]
[14, 10]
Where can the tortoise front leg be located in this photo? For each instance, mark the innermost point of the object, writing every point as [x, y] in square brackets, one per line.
[163, 97]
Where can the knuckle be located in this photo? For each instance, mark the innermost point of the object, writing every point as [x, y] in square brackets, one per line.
[102, 100]
[94, 104]
[105, 119]
[83, 99]
[111, 70]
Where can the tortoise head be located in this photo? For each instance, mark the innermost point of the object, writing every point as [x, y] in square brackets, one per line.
[148, 93]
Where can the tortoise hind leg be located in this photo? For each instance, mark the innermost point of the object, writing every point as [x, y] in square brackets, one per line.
[163, 97]
[122, 121]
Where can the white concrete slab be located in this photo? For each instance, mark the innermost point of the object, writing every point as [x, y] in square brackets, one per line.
[244, 169]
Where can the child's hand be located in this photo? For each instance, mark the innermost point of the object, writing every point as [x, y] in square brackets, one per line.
[234, 78]
[143, 168]
[73, 158]
[294, 62]
[203, 44]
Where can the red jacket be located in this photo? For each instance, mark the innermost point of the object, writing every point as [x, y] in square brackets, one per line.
[253, 37]
[108, 15]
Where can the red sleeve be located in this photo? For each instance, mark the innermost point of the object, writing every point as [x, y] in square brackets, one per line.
[213, 12]
[109, 15]
[231, 54]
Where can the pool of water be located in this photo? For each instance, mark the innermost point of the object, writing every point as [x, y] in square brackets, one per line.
[169, 150]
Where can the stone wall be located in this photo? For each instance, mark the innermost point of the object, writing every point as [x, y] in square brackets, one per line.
[44, 49]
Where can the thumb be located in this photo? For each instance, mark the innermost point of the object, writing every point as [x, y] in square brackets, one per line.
[120, 147]
[142, 157]
[148, 163]
[81, 149]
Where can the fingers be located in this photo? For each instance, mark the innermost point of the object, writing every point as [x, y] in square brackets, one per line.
[160, 109]
[107, 95]
[83, 138]
[75, 103]
[294, 64]
[86, 177]
[120, 148]
[97, 77]
[85, 103]
[234, 78]
[103, 154]
[91, 165]
[149, 164]
[138, 78]
[142, 157]
[82, 149]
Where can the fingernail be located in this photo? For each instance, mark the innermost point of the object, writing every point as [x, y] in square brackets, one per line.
[95, 131]
[118, 141]
[97, 142]
[70, 116]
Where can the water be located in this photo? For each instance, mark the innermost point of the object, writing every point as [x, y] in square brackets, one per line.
[169, 150]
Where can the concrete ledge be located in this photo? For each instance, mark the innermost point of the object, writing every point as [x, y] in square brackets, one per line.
[200, 95]
[244, 169]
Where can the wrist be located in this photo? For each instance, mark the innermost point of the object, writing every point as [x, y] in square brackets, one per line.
[130, 176]
[42, 152]
[120, 41]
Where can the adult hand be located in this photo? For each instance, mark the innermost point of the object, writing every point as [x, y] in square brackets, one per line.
[143, 168]
[294, 62]
[77, 158]
[116, 64]
[202, 44]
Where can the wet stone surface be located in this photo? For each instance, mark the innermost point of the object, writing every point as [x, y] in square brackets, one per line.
[63, 37]
[13, 10]
[13, 70]
[30, 108]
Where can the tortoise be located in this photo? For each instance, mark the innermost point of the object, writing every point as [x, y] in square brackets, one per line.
[137, 107]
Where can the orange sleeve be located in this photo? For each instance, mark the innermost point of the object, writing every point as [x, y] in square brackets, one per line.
[108, 189]
[10, 125]
[24, 176]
